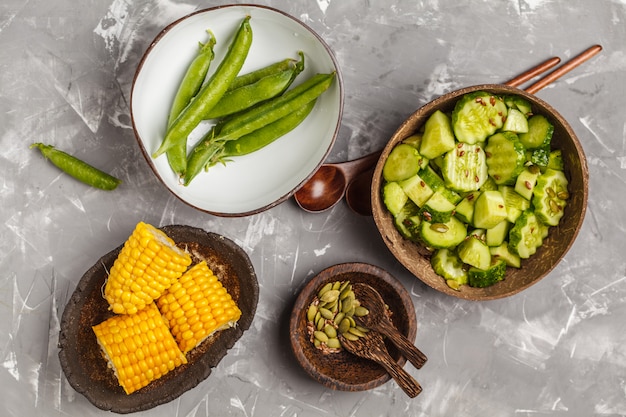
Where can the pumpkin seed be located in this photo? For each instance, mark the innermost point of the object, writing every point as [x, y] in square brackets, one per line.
[339, 317]
[321, 336]
[356, 332]
[563, 195]
[324, 289]
[336, 285]
[439, 227]
[310, 314]
[347, 304]
[319, 324]
[344, 285]
[344, 325]
[361, 311]
[362, 329]
[346, 292]
[333, 343]
[350, 336]
[329, 296]
[326, 313]
[330, 331]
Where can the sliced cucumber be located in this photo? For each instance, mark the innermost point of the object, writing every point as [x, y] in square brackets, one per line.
[481, 278]
[555, 160]
[465, 209]
[526, 181]
[515, 122]
[394, 197]
[503, 252]
[438, 209]
[496, 235]
[436, 183]
[438, 136]
[414, 140]
[447, 265]
[443, 235]
[526, 235]
[489, 209]
[403, 162]
[417, 189]
[513, 199]
[550, 196]
[407, 221]
[539, 133]
[465, 167]
[477, 115]
[474, 252]
[519, 103]
[505, 157]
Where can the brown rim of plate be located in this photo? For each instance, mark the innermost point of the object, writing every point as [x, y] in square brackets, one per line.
[344, 371]
[80, 355]
[339, 80]
[416, 258]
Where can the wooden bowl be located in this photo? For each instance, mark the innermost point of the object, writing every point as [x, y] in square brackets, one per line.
[417, 259]
[344, 371]
[81, 358]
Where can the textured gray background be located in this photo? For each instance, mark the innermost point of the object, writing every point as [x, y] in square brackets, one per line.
[556, 349]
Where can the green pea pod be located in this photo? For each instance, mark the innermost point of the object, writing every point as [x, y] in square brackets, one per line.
[262, 137]
[247, 96]
[78, 169]
[254, 119]
[190, 85]
[212, 91]
[275, 108]
[194, 78]
[273, 68]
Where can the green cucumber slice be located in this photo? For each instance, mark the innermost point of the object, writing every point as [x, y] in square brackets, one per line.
[477, 115]
[526, 235]
[443, 235]
[526, 181]
[539, 133]
[550, 196]
[403, 162]
[481, 278]
[518, 103]
[473, 251]
[438, 137]
[436, 183]
[503, 252]
[496, 235]
[515, 122]
[417, 189]
[489, 209]
[447, 265]
[394, 197]
[505, 157]
[465, 209]
[465, 168]
[438, 209]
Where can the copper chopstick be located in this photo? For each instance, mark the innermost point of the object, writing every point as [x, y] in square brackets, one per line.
[563, 69]
[533, 72]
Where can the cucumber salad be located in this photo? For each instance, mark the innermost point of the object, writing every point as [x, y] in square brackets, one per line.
[480, 187]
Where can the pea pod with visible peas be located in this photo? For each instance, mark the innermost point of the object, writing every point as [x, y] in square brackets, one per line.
[77, 168]
[253, 119]
[190, 85]
[262, 137]
[248, 95]
[212, 91]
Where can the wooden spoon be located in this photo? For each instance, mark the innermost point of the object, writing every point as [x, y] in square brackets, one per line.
[372, 347]
[328, 185]
[378, 320]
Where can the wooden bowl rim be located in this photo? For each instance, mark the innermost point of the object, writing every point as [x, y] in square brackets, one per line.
[382, 218]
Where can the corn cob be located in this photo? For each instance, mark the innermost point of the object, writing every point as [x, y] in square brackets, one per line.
[196, 306]
[148, 264]
[139, 347]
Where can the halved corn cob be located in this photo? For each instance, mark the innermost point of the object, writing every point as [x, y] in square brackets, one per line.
[196, 306]
[139, 347]
[148, 264]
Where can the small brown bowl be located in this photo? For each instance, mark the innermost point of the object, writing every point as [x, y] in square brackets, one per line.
[342, 370]
[417, 259]
[80, 355]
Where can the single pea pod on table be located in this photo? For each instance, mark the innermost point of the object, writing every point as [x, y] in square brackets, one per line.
[77, 168]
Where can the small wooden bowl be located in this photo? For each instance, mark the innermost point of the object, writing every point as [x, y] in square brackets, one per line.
[344, 371]
[417, 259]
[81, 357]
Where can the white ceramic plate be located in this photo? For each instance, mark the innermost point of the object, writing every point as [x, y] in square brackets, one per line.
[255, 182]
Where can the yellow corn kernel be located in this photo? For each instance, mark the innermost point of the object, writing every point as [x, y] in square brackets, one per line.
[148, 264]
[137, 345]
[193, 319]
